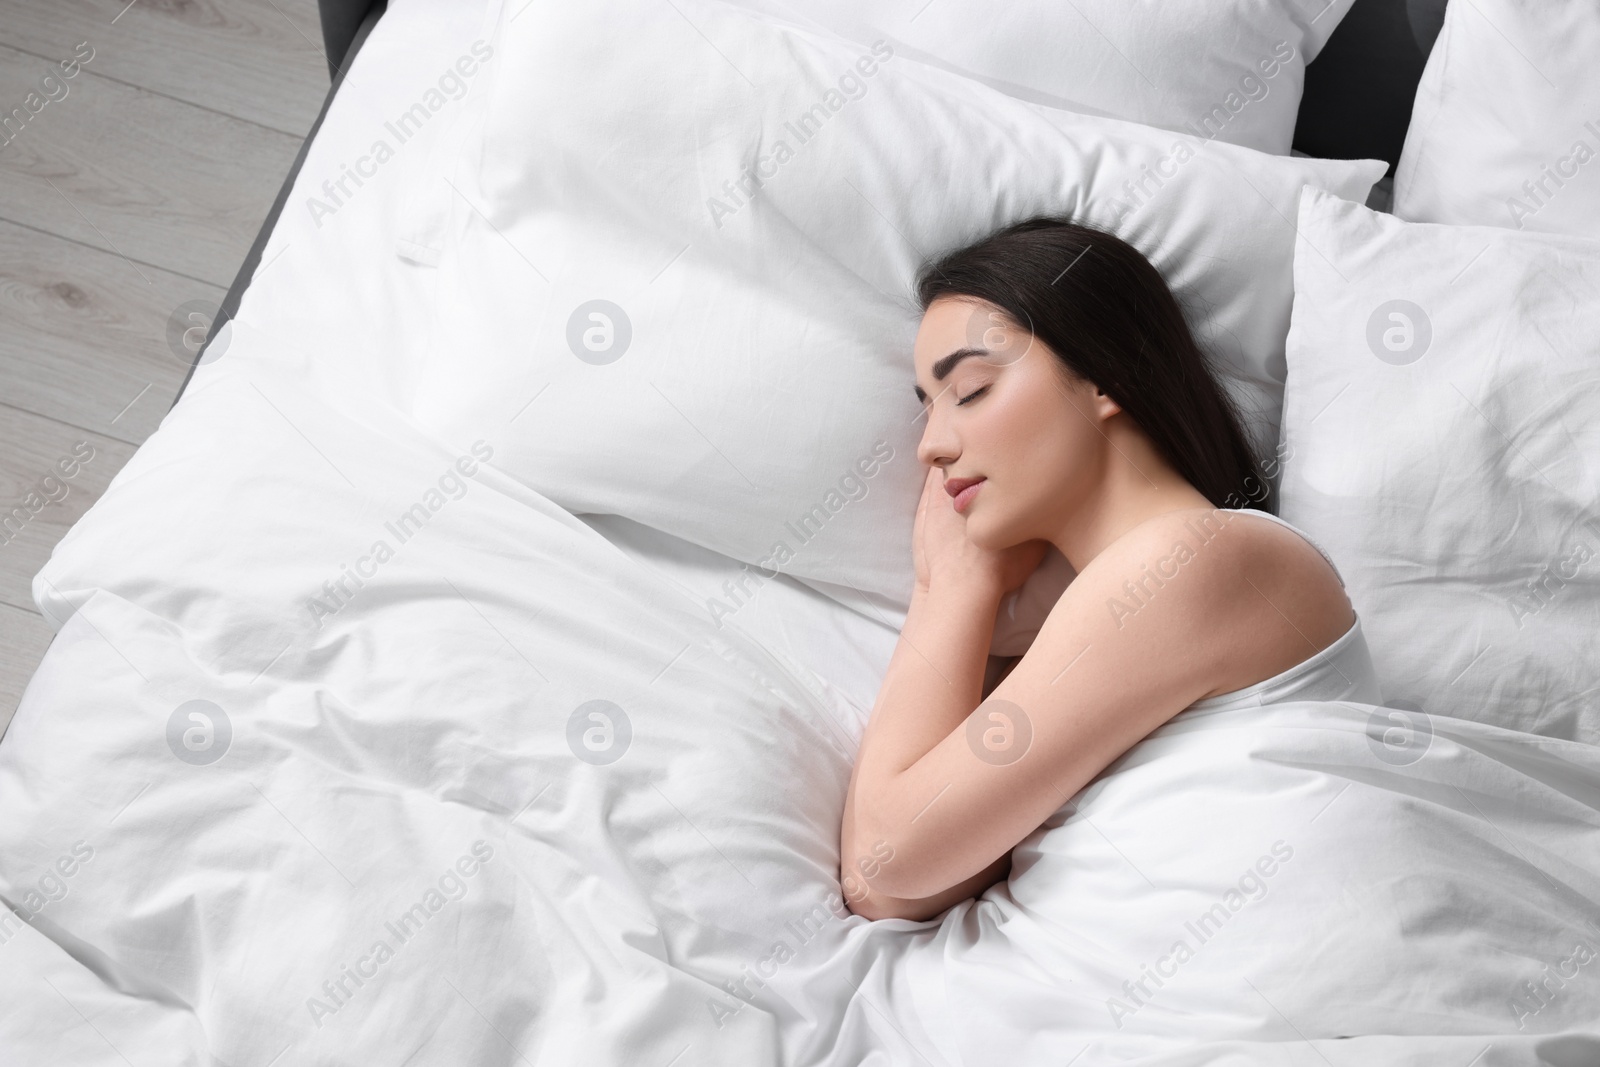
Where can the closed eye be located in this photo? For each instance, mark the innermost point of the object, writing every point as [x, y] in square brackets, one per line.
[971, 396]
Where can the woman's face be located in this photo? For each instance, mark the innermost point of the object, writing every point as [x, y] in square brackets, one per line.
[1006, 412]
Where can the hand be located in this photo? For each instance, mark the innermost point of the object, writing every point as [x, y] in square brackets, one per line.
[944, 555]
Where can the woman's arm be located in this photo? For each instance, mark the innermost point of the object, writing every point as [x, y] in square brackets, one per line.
[870, 904]
[1093, 683]
[935, 679]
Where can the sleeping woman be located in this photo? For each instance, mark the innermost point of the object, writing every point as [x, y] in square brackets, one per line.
[1067, 404]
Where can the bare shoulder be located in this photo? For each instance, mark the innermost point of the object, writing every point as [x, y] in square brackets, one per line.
[1187, 605]
[1137, 636]
[1209, 600]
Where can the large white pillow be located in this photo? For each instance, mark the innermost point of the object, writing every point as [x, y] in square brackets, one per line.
[1442, 426]
[1506, 126]
[1230, 69]
[752, 355]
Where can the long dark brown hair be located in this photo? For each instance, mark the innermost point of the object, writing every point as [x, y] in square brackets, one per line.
[1110, 318]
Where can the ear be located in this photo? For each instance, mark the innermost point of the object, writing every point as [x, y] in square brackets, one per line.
[1104, 406]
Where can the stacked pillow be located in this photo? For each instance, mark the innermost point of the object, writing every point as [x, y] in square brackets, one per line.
[1441, 415]
[1233, 69]
[1506, 126]
[1442, 434]
[693, 308]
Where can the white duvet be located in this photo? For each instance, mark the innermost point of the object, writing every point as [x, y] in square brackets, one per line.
[517, 798]
[352, 750]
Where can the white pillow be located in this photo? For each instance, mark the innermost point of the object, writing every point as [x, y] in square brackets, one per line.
[1020, 616]
[1506, 126]
[1233, 70]
[1442, 432]
[759, 361]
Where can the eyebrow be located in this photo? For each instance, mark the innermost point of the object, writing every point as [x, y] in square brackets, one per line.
[946, 364]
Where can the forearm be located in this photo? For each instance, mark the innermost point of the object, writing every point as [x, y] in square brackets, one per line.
[934, 681]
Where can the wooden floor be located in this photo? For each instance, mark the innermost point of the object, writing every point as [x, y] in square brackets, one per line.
[126, 190]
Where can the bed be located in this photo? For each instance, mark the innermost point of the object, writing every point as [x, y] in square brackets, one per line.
[469, 669]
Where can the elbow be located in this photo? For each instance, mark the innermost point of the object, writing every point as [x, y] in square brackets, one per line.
[862, 866]
[869, 905]
[880, 870]
[881, 854]
[875, 906]
[870, 902]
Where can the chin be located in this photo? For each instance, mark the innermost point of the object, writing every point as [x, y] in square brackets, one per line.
[994, 528]
[981, 531]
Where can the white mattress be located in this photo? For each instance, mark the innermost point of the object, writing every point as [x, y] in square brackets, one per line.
[412, 760]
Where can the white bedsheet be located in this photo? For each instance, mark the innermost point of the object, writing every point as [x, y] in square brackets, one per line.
[409, 760]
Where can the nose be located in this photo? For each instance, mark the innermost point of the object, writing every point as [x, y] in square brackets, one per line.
[939, 446]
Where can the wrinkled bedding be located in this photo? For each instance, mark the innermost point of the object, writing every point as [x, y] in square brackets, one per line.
[351, 749]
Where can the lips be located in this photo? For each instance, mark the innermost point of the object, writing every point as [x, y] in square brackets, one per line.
[963, 490]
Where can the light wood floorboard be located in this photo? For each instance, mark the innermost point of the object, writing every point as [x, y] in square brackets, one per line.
[27, 635]
[86, 340]
[137, 190]
[258, 60]
[154, 180]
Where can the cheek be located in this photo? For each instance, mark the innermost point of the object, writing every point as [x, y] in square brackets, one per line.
[1022, 439]
[1036, 429]
[1051, 452]
[1005, 422]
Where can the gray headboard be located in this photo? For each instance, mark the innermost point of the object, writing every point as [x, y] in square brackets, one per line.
[1358, 94]
[1359, 89]
[340, 21]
